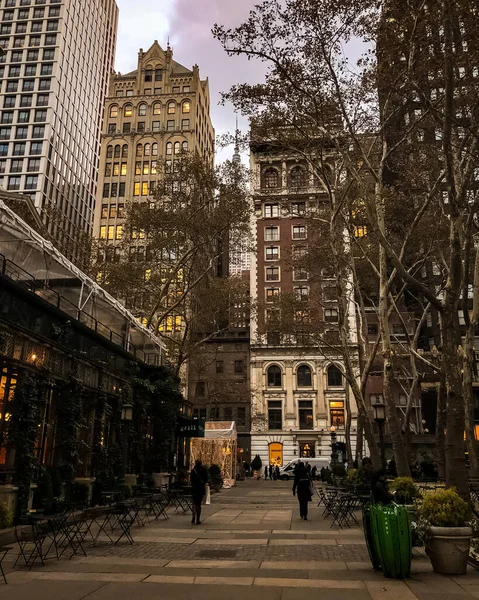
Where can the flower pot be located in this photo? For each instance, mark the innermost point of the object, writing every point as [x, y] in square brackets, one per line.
[448, 549]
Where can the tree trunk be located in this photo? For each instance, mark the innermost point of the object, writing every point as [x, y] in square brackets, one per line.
[349, 451]
[468, 377]
[394, 425]
[359, 439]
[441, 429]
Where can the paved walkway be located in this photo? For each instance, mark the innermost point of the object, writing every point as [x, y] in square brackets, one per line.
[251, 537]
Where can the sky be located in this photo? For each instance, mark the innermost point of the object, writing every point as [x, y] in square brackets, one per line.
[187, 24]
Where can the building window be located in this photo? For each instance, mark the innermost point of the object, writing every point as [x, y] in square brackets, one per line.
[300, 274]
[44, 84]
[272, 273]
[16, 165]
[158, 74]
[271, 234]
[128, 110]
[124, 151]
[136, 190]
[303, 376]
[36, 147]
[331, 315]
[157, 108]
[275, 414]
[139, 150]
[111, 232]
[219, 366]
[19, 149]
[335, 377]
[297, 177]
[9, 102]
[30, 71]
[5, 133]
[186, 107]
[149, 75]
[121, 191]
[169, 148]
[3, 149]
[274, 376]
[40, 116]
[126, 127]
[103, 232]
[33, 165]
[156, 126]
[144, 188]
[272, 253]
[305, 414]
[116, 169]
[147, 150]
[28, 85]
[271, 178]
[337, 417]
[184, 146]
[31, 182]
[111, 128]
[154, 149]
[119, 232]
[26, 101]
[114, 190]
[12, 86]
[7, 118]
[48, 54]
[185, 124]
[113, 111]
[123, 168]
[239, 367]
[302, 293]
[271, 294]
[271, 210]
[142, 110]
[299, 232]
[171, 108]
[106, 190]
[47, 69]
[298, 209]
[170, 126]
[14, 183]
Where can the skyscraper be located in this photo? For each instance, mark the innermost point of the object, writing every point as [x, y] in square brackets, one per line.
[58, 58]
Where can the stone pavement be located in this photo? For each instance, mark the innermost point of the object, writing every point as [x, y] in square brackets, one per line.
[251, 537]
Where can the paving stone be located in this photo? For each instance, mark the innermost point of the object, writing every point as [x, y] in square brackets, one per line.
[389, 590]
[305, 565]
[310, 583]
[216, 564]
[224, 580]
[318, 542]
[169, 579]
[232, 542]
[165, 540]
[44, 590]
[71, 576]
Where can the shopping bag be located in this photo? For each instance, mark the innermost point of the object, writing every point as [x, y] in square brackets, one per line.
[208, 494]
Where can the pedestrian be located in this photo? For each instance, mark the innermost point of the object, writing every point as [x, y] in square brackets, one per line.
[392, 468]
[302, 488]
[198, 479]
[276, 472]
[308, 468]
[379, 487]
[271, 471]
[322, 474]
[266, 472]
[314, 473]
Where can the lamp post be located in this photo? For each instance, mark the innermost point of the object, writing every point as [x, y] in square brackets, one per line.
[334, 452]
[126, 419]
[380, 418]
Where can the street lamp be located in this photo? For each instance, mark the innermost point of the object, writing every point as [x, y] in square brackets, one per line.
[126, 419]
[380, 418]
[334, 452]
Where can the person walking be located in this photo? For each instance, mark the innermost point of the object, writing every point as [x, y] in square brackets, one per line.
[302, 488]
[198, 479]
[314, 473]
[276, 472]
[271, 471]
[266, 472]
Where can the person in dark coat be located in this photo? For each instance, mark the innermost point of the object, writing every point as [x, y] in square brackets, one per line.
[271, 471]
[379, 487]
[276, 472]
[392, 468]
[314, 473]
[302, 488]
[198, 479]
[266, 472]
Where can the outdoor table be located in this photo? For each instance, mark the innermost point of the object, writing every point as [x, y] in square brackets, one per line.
[51, 527]
[126, 515]
[101, 517]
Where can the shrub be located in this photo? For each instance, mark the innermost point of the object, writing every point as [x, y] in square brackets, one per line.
[256, 463]
[406, 491]
[6, 516]
[43, 495]
[79, 494]
[339, 470]
[353, 477]
[445, 508]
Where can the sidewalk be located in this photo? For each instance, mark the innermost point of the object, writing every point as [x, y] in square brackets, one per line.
[251, 536]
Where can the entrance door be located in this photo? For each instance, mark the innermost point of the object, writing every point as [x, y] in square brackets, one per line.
[306, 449]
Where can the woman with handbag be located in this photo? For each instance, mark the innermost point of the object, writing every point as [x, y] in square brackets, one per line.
[198, 479]
[302, 487]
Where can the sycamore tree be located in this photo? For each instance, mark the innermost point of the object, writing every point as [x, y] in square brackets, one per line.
[171, 263]
[404, 122]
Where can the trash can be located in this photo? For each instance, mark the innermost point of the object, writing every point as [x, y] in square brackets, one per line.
[387, 530]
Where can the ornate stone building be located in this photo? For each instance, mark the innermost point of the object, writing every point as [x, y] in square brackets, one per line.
[151, 114]
[297, 389]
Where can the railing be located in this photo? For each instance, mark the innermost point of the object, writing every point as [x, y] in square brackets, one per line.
[39, 288]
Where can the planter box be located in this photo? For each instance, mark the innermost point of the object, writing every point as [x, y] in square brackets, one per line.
[161, 479]
[448, 549]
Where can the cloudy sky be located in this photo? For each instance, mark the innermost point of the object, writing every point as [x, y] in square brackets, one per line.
[187, 23]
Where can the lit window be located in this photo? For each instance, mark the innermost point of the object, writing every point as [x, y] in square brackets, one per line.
[144, 188]
[123, 169]
[177, 147]
[111, 232]
[119, 231]
[171, 108]
[186, 107]
[103, 232]
[157, 109]
[116, 169]
[138, 168]
[128, 110]
[146, 168]
[360, 231]
[113, 111]
[139, 150]
[136, 191]
[271, 294]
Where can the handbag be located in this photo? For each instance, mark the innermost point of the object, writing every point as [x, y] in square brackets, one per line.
[208, 494]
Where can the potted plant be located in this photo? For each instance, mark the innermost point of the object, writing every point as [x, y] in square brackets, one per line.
[405, 490]
[449, 533]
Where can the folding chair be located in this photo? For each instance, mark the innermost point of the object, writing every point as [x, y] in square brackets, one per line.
[126, 518]
[3, 553]
[29, 539]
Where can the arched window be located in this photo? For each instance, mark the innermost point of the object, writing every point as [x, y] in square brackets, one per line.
[304, 376]
[186, 107]
[128, 110]
[157, 108]
[177, 147]
[142, 110]
[297, 177]
[184, 146]
[154, 149]
[169, 148]
[171, 108]
[113, 111]
[274, 376]
[117, 151]
[124, 151]
[147, 149]
[335, 377]
[139, 150]
[149, 75]
[109, 152]
[271, 178]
